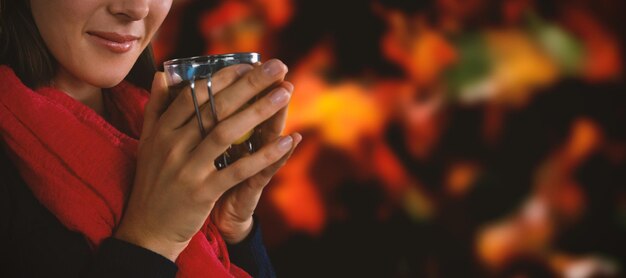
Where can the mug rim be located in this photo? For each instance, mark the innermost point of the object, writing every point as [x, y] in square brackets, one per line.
[207, 58]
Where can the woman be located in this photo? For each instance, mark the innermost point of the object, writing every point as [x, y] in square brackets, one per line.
[100, 178]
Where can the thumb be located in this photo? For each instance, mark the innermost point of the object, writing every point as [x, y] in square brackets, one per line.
[158, 102]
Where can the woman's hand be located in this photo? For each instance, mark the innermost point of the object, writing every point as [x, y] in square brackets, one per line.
[233, 212]
[176, 183]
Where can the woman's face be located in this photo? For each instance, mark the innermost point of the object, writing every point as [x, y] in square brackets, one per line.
[98, 41]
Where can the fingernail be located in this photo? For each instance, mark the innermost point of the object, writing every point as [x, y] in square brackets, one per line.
[279, 96]
[285, 143]
[288, 85]
[242, 69]
[272, 67]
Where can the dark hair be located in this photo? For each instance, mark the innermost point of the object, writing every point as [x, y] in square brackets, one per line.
[23, 49]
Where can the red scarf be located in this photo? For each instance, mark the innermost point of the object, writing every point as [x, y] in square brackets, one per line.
[81, 168]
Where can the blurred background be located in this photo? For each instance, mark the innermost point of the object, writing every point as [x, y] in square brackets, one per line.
[442, 138]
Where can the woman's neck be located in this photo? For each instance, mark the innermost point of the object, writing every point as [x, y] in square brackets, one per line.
[87, 94]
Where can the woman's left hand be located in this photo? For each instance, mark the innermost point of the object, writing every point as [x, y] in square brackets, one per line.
[232, 213]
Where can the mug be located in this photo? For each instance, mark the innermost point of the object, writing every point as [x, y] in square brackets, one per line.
[184, 72]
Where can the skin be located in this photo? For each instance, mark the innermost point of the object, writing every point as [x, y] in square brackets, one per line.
[86, 67]
[176, 184]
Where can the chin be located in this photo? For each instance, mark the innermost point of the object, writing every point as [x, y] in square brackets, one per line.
[107, 82]
[107, 79]
[111, 70]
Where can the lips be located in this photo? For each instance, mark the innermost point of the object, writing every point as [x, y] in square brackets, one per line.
[117, 43]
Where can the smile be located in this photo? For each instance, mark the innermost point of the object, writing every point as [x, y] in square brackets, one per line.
[114, 42]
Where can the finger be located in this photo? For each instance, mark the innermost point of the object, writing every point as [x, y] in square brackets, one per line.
[275, 125]
[250, 85]
[252, 189]
[158, 102]
[189, 133]
[243, 90]
[182, 108]
[237, 125]
[248, 166]
[260, 180]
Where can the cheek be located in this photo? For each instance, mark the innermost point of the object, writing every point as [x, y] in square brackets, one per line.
[158, 12]
[55, 27]
[61, 25]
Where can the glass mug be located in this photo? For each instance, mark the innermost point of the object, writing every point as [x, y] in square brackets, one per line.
[184, 72]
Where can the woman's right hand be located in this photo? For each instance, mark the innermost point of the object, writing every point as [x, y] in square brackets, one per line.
[176, 183]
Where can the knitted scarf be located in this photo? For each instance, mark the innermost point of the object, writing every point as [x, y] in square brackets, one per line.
[81, 167]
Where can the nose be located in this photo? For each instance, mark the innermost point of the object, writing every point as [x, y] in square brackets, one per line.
[130, 9]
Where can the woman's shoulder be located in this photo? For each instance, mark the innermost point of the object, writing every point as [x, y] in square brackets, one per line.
[8, 172]
[6, 193]
[10, 182]
[18, 205]
[33, 243]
